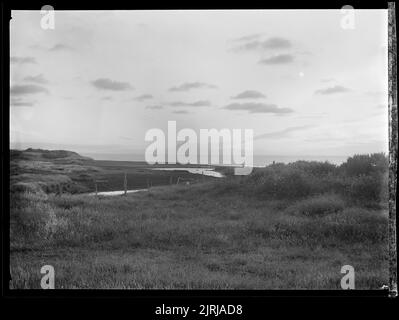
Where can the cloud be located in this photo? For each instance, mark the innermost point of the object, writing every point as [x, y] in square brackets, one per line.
[180, 112]
[18, 102]
[278, 59]
[143, 97]
[253, 107]
[276, 43]
[107, 98]
[36, 79]
[282, 133]
[332, 90]
[248, 37]
[249, 94]
[22, 104]
[24, 89]
[192, 85]
[108, 84]
[20, 60]
[60, 47]
[56, 47]
[200, 103]
[268, 44]
[154, 107]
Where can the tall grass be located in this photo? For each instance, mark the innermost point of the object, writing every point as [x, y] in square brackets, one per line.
[318, 205]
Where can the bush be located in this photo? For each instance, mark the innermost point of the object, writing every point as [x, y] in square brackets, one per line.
[318, 205]
[366, 188]
[283, 183]
[363, 180]
[365, 164]
[31, 187]
[314, 167]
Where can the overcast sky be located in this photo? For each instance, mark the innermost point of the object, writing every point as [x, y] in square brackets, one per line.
[100, 80]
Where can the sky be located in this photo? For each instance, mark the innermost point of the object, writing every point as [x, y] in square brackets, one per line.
[100, 80]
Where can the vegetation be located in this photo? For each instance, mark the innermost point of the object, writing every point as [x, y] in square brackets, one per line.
[286, 226]
[67, 172]
[303, 179]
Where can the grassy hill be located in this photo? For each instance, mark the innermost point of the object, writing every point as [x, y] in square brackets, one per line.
[50, 171]
[55, 171]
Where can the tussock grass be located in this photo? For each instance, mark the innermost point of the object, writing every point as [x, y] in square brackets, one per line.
[318, 205]
[181, 237]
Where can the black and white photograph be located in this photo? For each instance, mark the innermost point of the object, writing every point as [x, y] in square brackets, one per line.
[228, 149]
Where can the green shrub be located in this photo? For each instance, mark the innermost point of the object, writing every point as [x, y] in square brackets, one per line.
[362, 180]
[315, 167]
[283, 183]
[32, 187]
[365, 164]
[318, 205]
[369, 188]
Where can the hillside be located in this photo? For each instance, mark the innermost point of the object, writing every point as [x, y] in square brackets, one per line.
[62, 171]
[50, 171]
[41, 154]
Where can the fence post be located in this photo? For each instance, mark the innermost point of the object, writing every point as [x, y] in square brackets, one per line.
[125, 184]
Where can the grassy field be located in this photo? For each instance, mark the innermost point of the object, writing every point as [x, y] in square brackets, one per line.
[282, 227]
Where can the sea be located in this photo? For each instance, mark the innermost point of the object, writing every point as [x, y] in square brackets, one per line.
[259, 160]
